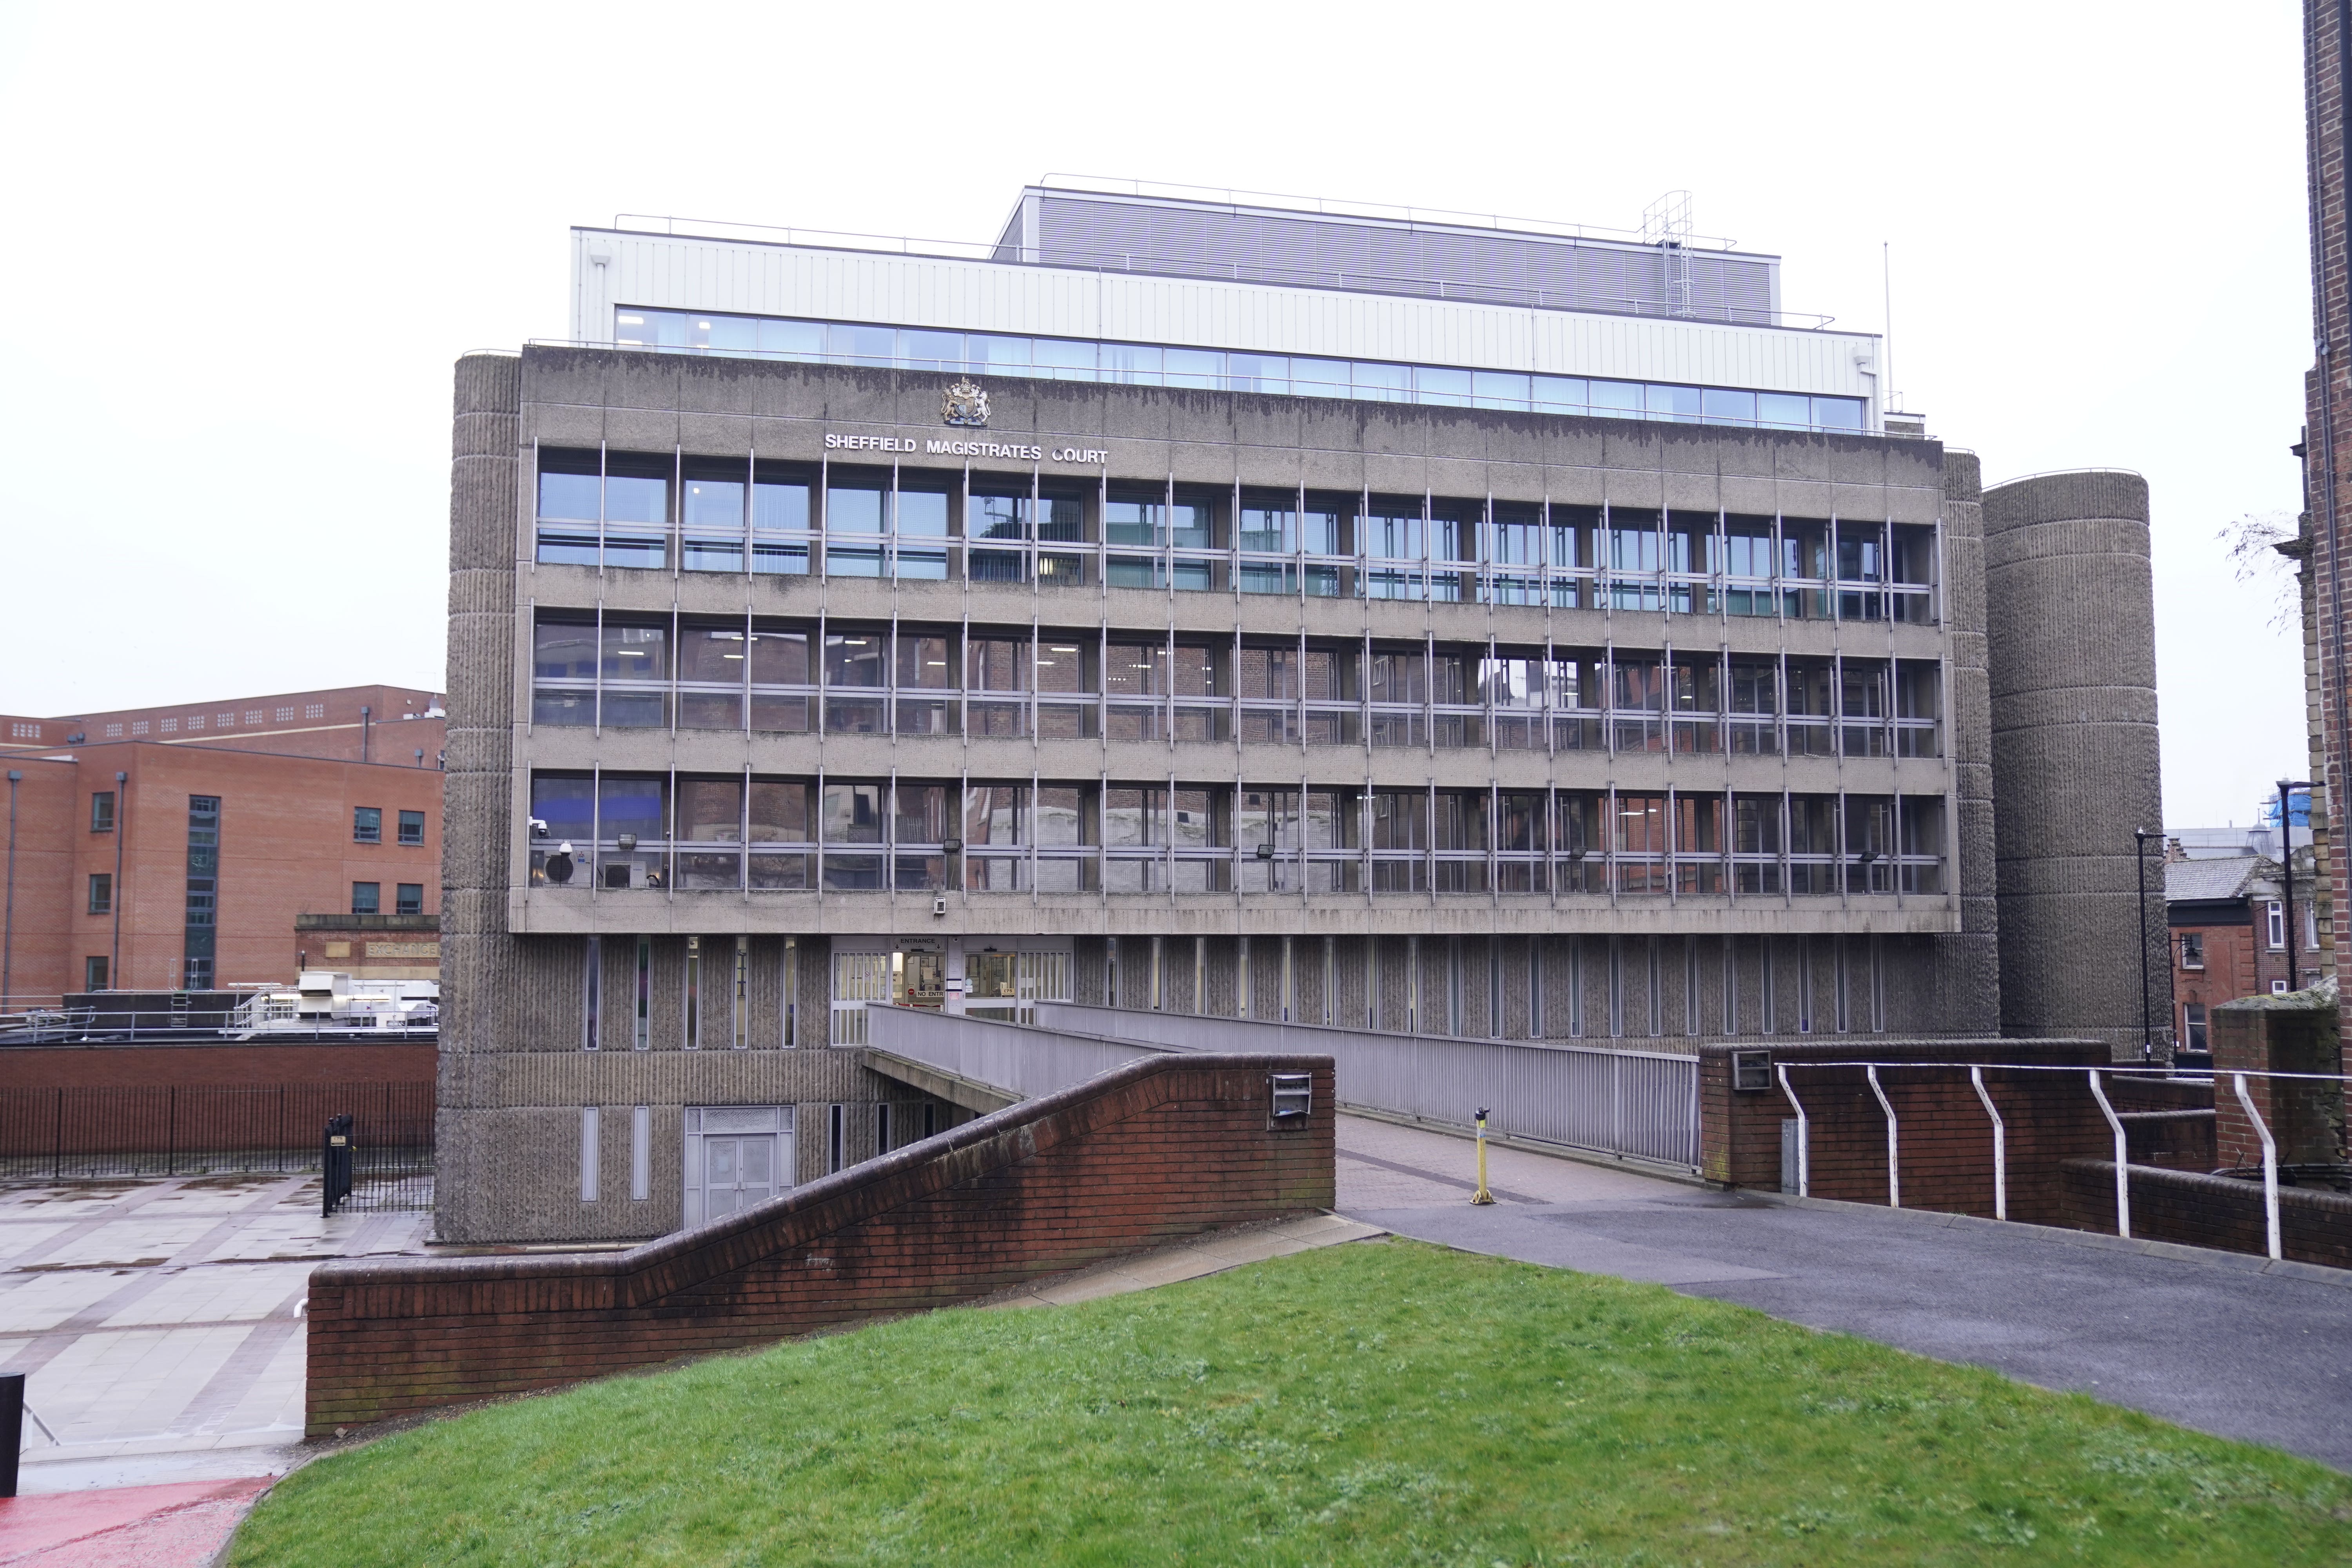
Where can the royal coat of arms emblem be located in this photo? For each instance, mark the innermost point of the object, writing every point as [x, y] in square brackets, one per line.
[963, 403]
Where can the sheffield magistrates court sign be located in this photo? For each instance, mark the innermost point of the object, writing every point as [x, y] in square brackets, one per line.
[964, 403]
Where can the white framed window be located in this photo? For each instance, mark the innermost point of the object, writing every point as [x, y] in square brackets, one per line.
[2276, 925]
[2278, 987]
[2192, 950]
[858, 978]
[2192, 1027]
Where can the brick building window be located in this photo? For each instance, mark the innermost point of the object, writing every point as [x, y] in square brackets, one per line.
[367, 897]
[408, 899]
[101, 892]
[93, 974]
[2192, 1026]
[101, 811]
[2275, 925]
[2192, 950]
[412, 827]
[367, 824]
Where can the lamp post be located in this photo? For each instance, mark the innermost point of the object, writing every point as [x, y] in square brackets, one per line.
[2287, 789]
[8, 933]
[2147, 1020]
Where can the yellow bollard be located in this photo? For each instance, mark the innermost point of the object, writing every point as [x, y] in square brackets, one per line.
[1482, 1196]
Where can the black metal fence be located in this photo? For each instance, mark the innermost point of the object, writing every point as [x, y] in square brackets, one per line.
[121, 1133]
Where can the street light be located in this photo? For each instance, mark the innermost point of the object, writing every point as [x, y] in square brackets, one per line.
[2287, 868]
[2147, 1020]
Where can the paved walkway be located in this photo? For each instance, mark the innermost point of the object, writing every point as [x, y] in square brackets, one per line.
[160, 1322]
[2208, 1340]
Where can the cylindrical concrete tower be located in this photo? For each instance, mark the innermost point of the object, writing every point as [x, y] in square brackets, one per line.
[2070, 649]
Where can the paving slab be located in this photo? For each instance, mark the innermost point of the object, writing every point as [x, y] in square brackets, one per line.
[2212, 1341]
[178, 1525]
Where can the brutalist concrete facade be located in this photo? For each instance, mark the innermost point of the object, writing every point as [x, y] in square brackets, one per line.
[1575, 959]
[2072, 654]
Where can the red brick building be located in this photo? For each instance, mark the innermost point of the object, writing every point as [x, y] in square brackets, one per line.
[2230, 932]
[398, 725]
[161, 863]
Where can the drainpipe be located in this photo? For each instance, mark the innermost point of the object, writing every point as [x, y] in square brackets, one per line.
[121, 827]
[8, 931]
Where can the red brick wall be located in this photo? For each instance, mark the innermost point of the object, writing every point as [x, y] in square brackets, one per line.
[1162, 1148]
[286, 849]
[103, 1066]
[2200, 1210]
[1945, 1140]
[2328, 467]
[2304, 1116]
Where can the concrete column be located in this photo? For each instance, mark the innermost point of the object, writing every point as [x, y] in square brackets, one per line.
[2070, 660]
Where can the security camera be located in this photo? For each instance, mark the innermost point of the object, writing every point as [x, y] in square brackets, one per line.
[539, 827]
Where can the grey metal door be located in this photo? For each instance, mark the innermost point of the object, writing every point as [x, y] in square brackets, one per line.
[737, 1172]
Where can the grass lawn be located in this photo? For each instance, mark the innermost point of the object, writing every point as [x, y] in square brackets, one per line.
[1372, 1402]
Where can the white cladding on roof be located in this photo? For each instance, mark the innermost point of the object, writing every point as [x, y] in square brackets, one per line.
[683, 272]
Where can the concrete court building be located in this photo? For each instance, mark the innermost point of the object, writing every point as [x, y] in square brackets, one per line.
[1440, 624]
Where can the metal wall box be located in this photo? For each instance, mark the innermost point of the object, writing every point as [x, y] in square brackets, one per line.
[1294, 1094]
[1751, 1071]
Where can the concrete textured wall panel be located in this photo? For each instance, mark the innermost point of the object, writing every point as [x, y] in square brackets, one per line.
[2071, 661]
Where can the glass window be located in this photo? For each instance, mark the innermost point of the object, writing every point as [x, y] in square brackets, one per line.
[712, 654]
[792, 340]
[1679, 405]
[850, 344]
[926, 812]
[1499, 389]
[1560, 393]
[780, 812]
[367, 824]
[1257, 372]
[1061, 359]
[930, 350]
[855, 658]
[1320, 377]
[926, 660]
[853, 813]
[1268, 526]
[923, 511]
[854, 509]
[1203, 368]
[1376, 383]
[709, 811]
[1135, 517]
[2192, 950]
[563, 650]
[412, 827]
[997, 664]
[1717, 406]
[573, 497]
[1134, 364]
[997, 356]
[636, 652]
[1783, 411]
[997, 517]
[408, 899]
[101, 892]
[777, 658]
[1615, 399]
[101, 811]
[627, 805]
[565, 806]
[1837, 412]
[779, 505]
[714, 503]
[637, 499]
[367, 897]
[1445, 388]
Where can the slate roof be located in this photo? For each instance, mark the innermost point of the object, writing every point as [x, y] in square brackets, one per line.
[2192, 881]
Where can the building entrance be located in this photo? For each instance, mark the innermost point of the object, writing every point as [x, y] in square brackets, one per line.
[736, 1156]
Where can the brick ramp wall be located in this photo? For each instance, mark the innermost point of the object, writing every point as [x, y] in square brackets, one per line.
[2200, 1210]
[1160, 1148]
[1945, 1138]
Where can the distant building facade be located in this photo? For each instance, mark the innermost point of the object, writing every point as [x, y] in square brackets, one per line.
[157, 866]
[2230, 932]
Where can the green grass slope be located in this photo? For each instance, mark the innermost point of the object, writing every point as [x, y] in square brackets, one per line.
[1386, 1402]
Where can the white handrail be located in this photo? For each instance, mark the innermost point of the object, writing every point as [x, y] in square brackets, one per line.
[1804, 1160]
[2000, 1148]
[2270, 1162]
[2123, 1163]
[1893, 1170]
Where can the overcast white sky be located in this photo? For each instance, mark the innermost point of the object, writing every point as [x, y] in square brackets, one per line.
[246, 242]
